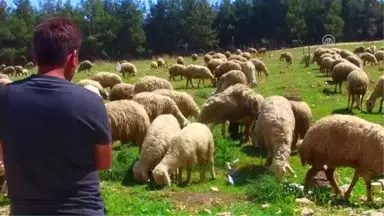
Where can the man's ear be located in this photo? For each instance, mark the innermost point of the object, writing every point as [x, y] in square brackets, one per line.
[73, 60]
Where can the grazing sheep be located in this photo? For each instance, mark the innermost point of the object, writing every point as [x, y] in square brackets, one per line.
[107, 79]
[126, 67]
[128, 120]
[317, 54]
[340, 73]
[287, 56]
[92, 89]
[151, 83]
[4, 76]
[85, 66]
[25, 72]
[262, 51]
[183, 100]
[219, 56]
[276, 124]
[337, 50]
[193, 144]
[156, 105]
[96, 84]
[355, 60]
[211, 53]
[213, 63]
[121, 91]
[9, 70]
[225, 67]
[4, 82]
[194, 57]
[246, 55]
[369, 57]
[325, 65]
[180, 60]
[18, 70]
[238, 52]
[249, 70]
[252, 51]
[227, 54]
[303, 119]
[260, 67]
[373, 48]
[176, 70]
[359, 49]
[30, 65]
[197, 72]
[323, 56]
[357, 85]
[162, 63]
[233, 77]
[346, 53]
[207, 58]
[2, 67]
[154, 65]
[155, 145]
[237, 57]
[378, 91]
[344, 141]
[337, 61]
[368, 50]
[306, 60]
[379, 55]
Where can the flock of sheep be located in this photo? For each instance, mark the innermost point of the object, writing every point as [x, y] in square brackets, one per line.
[157, 118]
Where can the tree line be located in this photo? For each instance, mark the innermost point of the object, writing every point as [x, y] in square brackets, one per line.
[126, 29]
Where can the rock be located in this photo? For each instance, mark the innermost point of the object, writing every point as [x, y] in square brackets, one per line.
[382, 183]
[214, 189]
[320, 180]
[344, 187]
[373, 213]
[307, 212]
[224, 214]
[265, 206]
[303, 201]
[376, 187]
[208, 211]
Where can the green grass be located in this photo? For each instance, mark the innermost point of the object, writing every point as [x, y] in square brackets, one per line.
[253, 184]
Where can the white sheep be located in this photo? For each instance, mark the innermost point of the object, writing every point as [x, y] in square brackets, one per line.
[246, 55]
[379, 55]
[225, 67]
[260, 67]
[154, 65]
[180, 60]
[93, 89]
[4, 76]
[193, 144]
[287, 56]
[346, 53]
[121, 91]
[197, 72]
[355, 60]
[213, 63]
[151, 83]
[155, 145]
[162, 63]
[126, 67]
[368, 57]
[107, 79]
[340, 73]
[4, 82]
[325, 65]
[207, 58]
[194, 57]
[96, 84]
[344, 141]
[378, 92]
[233, 77]
[2, 67]
[9, 70]
[357, 85]
[249, 70]
[276, 124]
[176, 70]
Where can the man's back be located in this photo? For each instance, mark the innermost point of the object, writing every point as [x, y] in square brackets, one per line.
[48, 130]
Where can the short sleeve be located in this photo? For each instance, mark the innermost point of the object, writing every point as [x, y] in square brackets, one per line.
[100, 131]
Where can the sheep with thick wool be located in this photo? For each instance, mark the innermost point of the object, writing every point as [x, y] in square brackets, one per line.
[231, 78]
[2, 67]
[379, 55]
[325, 55]
[155, 145]
[237, 57]
[194, 57]
[9, 70]
[378, 92]
[346, 53]
[303, 118]
[183, 100]
[128, 121]
[260, 67]
[197, 72]
[126, 67]
[154, 65]
[213, 63]
[162, 63]
[262, 51]
[337, 61]
[121, 91]
[246, 55]
[107, 79]
[287, 56]
[340, 73]
[355, 60]
[180, 60]
[219, 56]
[227, 54]
[357, 86]
[4, 81]
[238, 52]
[156, 105]
[359, 49]
[4, 76]
[225, 67]
[249, 70]
[176, 70]
[18, 70]
[276, 124]
[252, 51]
[193, 144]
[96, 84]
[151, 83]
[207, 57]
[325, 65]
[85, 66]
[368, 57]
[344, 141]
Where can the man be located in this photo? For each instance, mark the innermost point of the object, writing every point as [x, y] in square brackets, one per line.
[54, 135]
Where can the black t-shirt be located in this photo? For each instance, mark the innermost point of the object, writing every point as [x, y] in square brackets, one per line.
[48, 129]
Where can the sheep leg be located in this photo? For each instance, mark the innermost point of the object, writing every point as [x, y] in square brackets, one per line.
[246, 133]
[198, 84]
[203, 168]
[268, 162]
[347, 194]
[190, 80]
[368, 179]
[212, 164]
[309, 176]
[340, 84]
[381, 105]
[186, 86]
[189, 174]
[349, 99]
[336, 87]
[330, 176]
[223, 129]
[353, 102]
[181, 77]
[180, 176]
[203, 83]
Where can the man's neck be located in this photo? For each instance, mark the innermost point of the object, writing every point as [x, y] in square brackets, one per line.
[48, 71]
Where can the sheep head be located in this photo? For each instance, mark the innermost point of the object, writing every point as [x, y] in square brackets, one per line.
[279, 167]
[370, 104]
[161, 176]
[140, 172]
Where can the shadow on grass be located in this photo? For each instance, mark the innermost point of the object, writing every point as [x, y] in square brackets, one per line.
[328, 92]
[247, 174]
[342, 111]
[321, 76]
[254, 151]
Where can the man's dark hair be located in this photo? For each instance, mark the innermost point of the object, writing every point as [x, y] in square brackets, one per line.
[54, 39]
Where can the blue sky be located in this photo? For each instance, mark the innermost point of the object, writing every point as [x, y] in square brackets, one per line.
[36, 2]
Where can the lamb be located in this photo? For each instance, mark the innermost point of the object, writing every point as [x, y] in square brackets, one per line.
[246, 55]
[154, 65]
[357, 85]
[340, 73]
[85, 66]
[176, 70]
[359, 49]
[344, 141]
[355, 60]
[303, 119]
[126, 67]
[260, 67]
[155, 145]
[276, 124]
[151, 83]
[18, 70]
[237, 57]
[225, 67]
[231, 78]
[377, 92]
[287, 56]
[379, 55]
[162, 63]
[4, 76]
[213, 63]
[238, 52]
[262, 51]
[121, 91]
[207, 58]
[193, 144]
[9, 70]
[183, 100]
[128, 120]
[92, 89]
[156, 105]
[96, 84]
[194, 57]
[197, 72]
[4, 82]
[346, 53]
[368, 57]
[107, 79]
[180, 60]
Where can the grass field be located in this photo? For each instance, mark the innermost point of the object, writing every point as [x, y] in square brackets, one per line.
[253, 185]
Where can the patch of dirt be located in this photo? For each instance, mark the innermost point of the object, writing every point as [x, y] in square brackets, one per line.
[196, 200]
